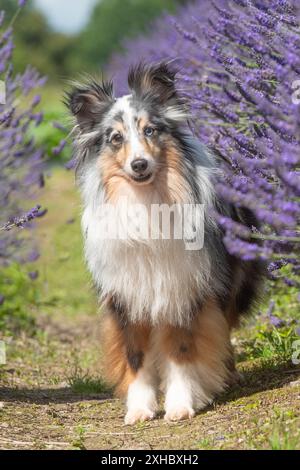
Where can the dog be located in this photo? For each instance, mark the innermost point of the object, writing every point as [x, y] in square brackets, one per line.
[168, 311]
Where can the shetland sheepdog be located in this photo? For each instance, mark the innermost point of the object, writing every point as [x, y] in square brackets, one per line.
[168, 310]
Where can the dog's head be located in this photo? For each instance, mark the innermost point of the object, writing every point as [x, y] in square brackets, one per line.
[130, 134]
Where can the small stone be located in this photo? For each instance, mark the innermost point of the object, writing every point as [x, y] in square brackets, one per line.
[295, 383]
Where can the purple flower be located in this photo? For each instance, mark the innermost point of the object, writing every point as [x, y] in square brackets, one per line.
[58, 125]
[33, 275]
[238, 79]
[21, 160]
[275, 321]
[290, 282]
[57, 150]
[70, 165]
[2, 299]
[23, 219]
[271, 308]
[33, 256]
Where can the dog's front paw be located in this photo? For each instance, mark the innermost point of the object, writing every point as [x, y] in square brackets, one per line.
[139, 415]
[179, 413]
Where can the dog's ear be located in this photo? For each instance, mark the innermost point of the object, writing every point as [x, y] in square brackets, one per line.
[89, 102]
[155, 81]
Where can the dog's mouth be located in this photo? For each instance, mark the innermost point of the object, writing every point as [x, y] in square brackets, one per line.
[141, 178]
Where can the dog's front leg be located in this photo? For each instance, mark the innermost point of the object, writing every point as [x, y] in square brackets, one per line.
[130, 366]
[141, 395]
[195, 363]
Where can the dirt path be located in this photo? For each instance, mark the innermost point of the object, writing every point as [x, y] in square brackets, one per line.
[51, 392]
[45, 405]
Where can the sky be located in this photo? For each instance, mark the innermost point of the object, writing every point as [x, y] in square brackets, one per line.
[67, 16]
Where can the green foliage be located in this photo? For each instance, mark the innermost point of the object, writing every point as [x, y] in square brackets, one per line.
[283, 296]
[10, 7]
[18, 293]
[78, 442]
[61, 264]
[281, 438]
[114, 20]
[205, 444]
[83, 383]
[271, 342]
[36, 44]
[61, 56]
[49, 137]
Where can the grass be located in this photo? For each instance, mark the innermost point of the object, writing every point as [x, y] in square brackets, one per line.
[82, 383]
[78, 442]
[205, 444]
[51, 389]
[280, 440]
[270, 343]
[63, 281]
[284, 435]
[18, 294]
[260, 339]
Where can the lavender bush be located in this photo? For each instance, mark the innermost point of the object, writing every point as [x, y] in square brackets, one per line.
[238, 62]
[21, 160]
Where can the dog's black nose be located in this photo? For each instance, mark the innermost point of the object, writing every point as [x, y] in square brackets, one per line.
[139, 165]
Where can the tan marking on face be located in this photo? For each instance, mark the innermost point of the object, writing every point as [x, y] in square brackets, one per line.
[169, 181]
[111, 163]
[123, 153]
[111, 173]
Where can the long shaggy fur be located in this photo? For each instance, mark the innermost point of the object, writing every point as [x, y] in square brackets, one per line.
[169, 310]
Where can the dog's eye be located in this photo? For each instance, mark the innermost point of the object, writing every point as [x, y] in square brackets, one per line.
[117, 139]
[149, 131]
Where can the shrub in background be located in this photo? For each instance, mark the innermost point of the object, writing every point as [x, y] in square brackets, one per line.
[21, 175]
[17, 294]
[21, 160]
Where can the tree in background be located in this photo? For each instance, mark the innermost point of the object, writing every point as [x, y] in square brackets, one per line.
[115, 20]
[60, 56]
[35, 42]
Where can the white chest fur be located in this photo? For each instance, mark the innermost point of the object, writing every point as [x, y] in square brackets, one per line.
[159, 280]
